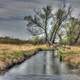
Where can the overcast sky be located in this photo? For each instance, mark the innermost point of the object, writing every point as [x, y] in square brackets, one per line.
[12, 13]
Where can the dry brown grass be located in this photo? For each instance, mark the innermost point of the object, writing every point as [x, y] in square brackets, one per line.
[26, 47]
[10, 53]
[71, 54]
[72, 48]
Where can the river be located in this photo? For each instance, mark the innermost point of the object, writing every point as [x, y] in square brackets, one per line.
[42, 66]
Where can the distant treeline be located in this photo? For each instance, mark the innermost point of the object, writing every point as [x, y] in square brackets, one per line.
[8, 40]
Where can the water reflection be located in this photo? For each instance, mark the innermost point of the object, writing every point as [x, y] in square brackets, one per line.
[52, 64]
[44, 63]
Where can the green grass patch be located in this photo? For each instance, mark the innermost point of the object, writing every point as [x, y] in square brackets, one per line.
[62, 52]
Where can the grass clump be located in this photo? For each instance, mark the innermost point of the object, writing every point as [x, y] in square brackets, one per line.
[70, 56]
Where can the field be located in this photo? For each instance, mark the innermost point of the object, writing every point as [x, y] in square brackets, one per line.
[11, 54]
[71, 55]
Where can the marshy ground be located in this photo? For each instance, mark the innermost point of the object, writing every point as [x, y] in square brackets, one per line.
[11, 54]
[71, 55]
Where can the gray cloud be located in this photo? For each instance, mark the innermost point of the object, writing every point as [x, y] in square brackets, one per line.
[33, 1]
[12, 13]
[9, 18]
[23, 7]
[16, 7]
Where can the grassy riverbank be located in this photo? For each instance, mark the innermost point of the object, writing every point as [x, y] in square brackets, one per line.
[13, 54]
[71, 55]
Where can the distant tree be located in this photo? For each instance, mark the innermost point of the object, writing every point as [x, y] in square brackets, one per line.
[73, 30]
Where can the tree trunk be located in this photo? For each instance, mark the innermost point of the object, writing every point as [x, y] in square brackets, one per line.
[54, 37]
[46, 36]
[56, 31]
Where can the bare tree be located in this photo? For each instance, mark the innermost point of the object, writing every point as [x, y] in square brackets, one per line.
[60, 17]
[38, 24]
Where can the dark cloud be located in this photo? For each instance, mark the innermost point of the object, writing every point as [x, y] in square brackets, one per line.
[12, 8]
[34, 1]
[2, 5]
[12, 13]
[11, 18]
[19, 7]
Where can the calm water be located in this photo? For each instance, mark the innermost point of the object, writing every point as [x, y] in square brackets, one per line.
[43, 66]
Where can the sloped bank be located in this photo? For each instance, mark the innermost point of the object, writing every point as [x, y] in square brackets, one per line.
[9, 58]
[9, 63]
[71, 55]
